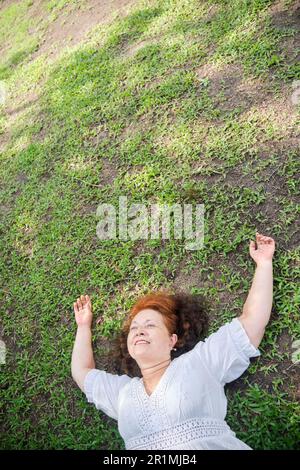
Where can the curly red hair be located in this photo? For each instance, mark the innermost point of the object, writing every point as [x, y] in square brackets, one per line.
[183, 313]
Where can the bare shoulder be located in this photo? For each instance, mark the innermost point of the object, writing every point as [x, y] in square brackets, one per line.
[254, 332]
[80, 376]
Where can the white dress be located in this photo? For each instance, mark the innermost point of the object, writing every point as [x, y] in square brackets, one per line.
[187, 409]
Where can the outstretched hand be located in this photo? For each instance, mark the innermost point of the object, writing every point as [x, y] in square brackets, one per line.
[83, 311]
[263, 250]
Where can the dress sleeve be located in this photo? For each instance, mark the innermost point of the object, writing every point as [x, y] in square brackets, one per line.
[226, 353]
[102, 389]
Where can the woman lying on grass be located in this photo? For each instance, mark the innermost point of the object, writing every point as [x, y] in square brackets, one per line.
[167, 397]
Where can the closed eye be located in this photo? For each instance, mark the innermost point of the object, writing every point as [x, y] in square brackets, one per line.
[134, 327]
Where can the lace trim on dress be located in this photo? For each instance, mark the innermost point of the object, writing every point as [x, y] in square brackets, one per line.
[190, 430]
[151, 410]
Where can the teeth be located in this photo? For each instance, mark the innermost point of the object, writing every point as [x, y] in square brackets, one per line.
[138, 342]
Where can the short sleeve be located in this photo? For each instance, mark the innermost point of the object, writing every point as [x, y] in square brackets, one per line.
[103, 388]
[227, 352]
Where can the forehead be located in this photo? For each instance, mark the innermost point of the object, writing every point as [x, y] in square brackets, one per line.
[147, 314]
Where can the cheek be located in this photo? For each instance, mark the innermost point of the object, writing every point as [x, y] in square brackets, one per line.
[129, 346]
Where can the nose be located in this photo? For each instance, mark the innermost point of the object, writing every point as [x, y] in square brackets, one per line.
[139, 331]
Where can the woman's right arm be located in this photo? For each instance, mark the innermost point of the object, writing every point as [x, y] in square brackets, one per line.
[82, 355]
[101, 388]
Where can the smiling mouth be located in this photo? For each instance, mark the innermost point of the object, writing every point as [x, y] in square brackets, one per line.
[141, 342]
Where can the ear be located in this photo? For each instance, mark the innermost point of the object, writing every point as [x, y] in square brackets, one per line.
[174, 339]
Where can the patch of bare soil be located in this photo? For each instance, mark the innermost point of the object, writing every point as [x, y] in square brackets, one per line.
[134, 48]
[285, 369]
[143, 125]
[73, 26]
[6, 3]
[4, 140]
[284, 16]
[229, 91]
[30, 99]
[108, 173]
[195, 278]
[226, 80]
[227, 86]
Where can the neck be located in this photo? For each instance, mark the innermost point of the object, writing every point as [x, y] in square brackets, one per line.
[151, 372]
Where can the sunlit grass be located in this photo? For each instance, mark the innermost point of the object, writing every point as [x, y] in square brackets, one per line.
[129, 112]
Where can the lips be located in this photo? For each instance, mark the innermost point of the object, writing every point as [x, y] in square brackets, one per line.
[141, 341]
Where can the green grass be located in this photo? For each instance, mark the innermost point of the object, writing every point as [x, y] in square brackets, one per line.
[108, 122]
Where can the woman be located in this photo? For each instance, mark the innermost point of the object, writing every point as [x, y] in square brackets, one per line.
[177, 402]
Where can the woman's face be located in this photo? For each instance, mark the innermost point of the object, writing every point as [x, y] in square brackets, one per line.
[148, 339]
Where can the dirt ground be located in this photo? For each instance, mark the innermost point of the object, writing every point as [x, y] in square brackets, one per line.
[72, 26]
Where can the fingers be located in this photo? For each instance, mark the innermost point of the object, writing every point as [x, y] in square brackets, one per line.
[263, 239]
[81, 302]
[260, 240]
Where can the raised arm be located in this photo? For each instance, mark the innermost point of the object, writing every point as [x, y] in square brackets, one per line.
[82, 355]
[258, 306]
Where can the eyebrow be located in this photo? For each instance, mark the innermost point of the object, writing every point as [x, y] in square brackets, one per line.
[145, 321]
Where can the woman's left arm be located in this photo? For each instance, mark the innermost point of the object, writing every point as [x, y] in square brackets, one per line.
[257, 308]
